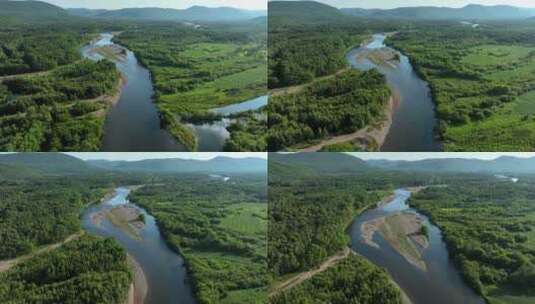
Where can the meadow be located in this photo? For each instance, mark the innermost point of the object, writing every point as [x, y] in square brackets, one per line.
[195, 70]
[482, 80]
[221, 233]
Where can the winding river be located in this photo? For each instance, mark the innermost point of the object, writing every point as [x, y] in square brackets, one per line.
[441, 283]
[413, 121]
[164, 269]
[133, 124]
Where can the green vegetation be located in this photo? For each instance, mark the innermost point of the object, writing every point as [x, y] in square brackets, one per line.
[488, 225]
[482, 80]
[248, 132]
[41, 211]
[338, 105]
[352, 278]
[220, 228]
[46, 112]
[87, 270]
[198, 69]
[310, 209]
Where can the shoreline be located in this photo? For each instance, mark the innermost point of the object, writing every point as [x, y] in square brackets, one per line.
[139, 286]
[366, 136]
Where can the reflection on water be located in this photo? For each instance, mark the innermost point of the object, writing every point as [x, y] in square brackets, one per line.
[440, 284]
[414, 120]
[164, 269]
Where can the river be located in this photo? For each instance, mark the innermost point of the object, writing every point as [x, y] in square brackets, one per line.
[440, 284]
[133, 124]
[413, 122]
[164, 269]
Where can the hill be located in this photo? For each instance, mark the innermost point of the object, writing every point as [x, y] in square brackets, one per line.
[471, 12]
[319, 163]
[30, 12]
[194, 13]
[504, 164]
[46, 163]
[225, 165]
[303, 11]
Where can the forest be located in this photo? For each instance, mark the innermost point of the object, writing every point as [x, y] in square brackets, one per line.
[86, 270]
[341, 104]
[488, 226]
[309, 213]
[196, 69]
[482, 81]
[51, 99]
[39, 210]
[220, 228]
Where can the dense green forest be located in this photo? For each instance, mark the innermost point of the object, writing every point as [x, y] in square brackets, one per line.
[220, 228]
[87, 270]
[248, 132]
[51, 99]
[352, 278]
[196, 69]
[308, 40]
[41, 211]
[488, 225]
[59, 111]
[482, 80]
[338, 105]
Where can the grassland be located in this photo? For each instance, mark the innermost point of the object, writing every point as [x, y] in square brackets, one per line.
[483, 83]
[197, 70]
[221, 233]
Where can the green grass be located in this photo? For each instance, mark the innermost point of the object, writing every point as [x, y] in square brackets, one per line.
[247, 218]
[494, 55]
[525, 104]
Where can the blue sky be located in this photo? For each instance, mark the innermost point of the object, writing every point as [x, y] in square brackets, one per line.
[116, 4]
[133, 156]
[401, 3]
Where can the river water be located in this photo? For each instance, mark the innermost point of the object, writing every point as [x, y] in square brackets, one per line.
[440, 284]
[413, 122]
[165, 271]
[212, 136]
[134, 123]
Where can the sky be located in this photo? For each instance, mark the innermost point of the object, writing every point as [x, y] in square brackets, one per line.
[424, 155]
[385, 4]
[180, 4]
[134, 156]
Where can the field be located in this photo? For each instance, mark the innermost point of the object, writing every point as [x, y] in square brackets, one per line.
[196, 70]
[222, 233]
[488, 226]
[482, 83]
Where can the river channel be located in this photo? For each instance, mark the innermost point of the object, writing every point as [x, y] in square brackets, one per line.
[413, 121]
[164, 270]
[440, 283]
[133, 124]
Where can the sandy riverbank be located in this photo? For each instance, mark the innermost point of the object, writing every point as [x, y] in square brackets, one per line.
[139, 287]
[128, 218]
[370, 138]
[403, 231]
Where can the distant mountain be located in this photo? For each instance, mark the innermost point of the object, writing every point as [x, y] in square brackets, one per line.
[31, 11]
[303, 11]
[503, 164]
[175, 165]
[46, 163]
[320, 163]
[194, 13]
[470, 12]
